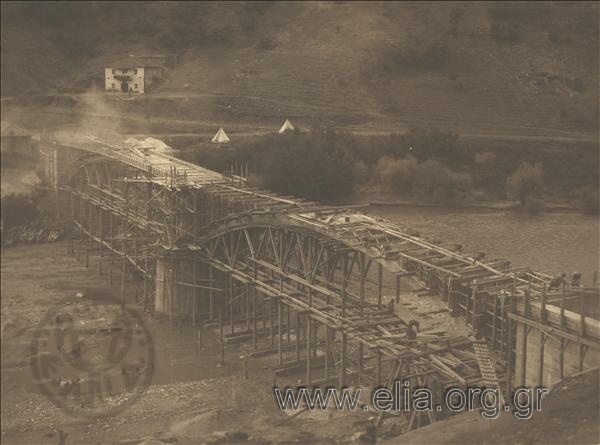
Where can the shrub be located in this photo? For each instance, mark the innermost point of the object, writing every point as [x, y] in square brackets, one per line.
[77, 46]
[430, 180]
[533, 205]
[510, 20]
[252, 16]
[303, 165]
[588, 200]
[439, 183]
[578, 85]
[509, 33]
[431, 143]
[431, 57]
[526, 182]
[267, 44]
[361, 172]
[398, 174]
[308, 165]
[457, 14]
[17, 210]
[486, 158]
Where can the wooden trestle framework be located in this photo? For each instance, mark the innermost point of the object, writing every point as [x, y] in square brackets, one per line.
[315, 285]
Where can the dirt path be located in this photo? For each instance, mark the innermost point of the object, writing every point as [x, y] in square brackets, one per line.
[377, 124]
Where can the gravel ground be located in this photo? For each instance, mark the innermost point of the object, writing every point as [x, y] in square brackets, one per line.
[190, 400]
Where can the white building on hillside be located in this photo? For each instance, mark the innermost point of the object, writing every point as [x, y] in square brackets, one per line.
[134, 74]
[124, 79]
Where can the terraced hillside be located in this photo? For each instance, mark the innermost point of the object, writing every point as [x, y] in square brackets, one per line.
[511, 68]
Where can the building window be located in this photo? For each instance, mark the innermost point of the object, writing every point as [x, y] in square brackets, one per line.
[113, 71]
[135, 86]
[135, 71]
[113, 85]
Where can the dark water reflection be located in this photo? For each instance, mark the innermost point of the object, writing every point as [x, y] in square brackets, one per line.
[552, 242]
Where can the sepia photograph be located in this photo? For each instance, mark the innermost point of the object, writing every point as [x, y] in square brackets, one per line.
[300, 222]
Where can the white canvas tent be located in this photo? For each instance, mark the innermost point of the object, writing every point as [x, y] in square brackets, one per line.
[221, 137]
[287, 126]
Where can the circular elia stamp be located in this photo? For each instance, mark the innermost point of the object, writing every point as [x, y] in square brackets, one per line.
[92, 359]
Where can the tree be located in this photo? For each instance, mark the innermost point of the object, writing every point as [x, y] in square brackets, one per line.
[304, 165]
[430, 180]
[588, 200]
[17, 209]
[526, 182]
[431, 143]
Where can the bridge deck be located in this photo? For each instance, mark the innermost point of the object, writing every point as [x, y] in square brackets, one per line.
[235, 217]
[381, 240]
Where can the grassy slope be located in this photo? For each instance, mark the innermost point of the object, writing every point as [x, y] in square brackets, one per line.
[377, 66]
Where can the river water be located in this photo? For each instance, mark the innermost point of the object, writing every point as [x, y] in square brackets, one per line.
[553, 242]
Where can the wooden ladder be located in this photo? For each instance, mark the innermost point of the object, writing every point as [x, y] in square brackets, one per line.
[486, 366]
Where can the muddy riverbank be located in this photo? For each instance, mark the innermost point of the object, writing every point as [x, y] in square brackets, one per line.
[191, 397]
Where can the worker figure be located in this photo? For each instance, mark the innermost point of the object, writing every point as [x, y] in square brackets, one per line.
[576, 279]
[557, 281]
[390, 306]
[412, 329]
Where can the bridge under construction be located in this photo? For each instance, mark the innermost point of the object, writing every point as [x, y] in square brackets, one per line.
[321, 287]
